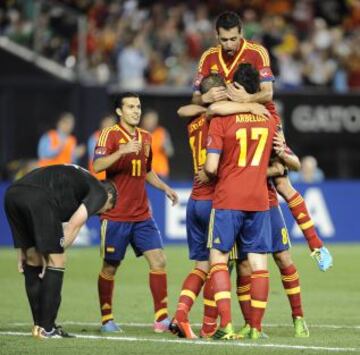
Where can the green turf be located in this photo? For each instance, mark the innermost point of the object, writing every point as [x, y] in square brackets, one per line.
[330, 299]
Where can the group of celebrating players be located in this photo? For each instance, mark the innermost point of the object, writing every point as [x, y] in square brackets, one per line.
[233, 216]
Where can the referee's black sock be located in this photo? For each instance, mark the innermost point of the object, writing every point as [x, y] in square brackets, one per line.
[33, 289]
[51, 296]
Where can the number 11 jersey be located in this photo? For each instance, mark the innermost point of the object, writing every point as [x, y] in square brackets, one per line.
[128, 173]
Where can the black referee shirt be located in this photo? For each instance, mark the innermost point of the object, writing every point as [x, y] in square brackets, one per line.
[68, 186]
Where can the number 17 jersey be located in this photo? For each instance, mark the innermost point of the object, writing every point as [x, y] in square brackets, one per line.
[244, 142]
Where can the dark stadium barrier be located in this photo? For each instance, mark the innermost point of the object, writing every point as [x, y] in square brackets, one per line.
[325, 125]
[333, 206]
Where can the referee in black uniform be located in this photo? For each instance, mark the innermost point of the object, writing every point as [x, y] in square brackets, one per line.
[36, 206]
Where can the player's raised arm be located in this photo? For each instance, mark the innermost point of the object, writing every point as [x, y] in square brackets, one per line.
[225, 108]
[191, 110]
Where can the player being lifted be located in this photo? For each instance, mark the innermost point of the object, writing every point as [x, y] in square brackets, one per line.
[124, 151]
[232, 50]
[238, 153]
[197, 216]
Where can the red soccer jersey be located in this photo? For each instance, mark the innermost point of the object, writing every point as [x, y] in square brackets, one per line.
[198, 132]
[245, 143]
[273, 198]
[128, 173]
[214, 60]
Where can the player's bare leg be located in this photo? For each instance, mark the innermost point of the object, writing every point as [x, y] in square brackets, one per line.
[191, 288]
[158, 286]
[259, 291]
[106, 290]
[220, 281]
[291, 283]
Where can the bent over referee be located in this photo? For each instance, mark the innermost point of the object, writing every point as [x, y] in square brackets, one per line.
[36, 206]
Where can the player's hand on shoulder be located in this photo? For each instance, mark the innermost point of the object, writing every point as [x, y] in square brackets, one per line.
[215, 94]
[133, 146]
[258, 109]
[237, 93]
[172, 195]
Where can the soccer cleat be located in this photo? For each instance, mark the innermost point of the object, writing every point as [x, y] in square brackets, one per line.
[186, 331]
[56, 333]
[208, 335]
[43, 334]
[35, 331]
[226, 333]
[257, 334]
[110, 327]
[323, 258]
[300, 327]
[244, 332]
[162, 326]
[63, 333]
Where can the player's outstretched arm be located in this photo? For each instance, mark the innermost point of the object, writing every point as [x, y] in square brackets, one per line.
[153, 179]
[225, 108]
[72, 228]
[102, 163]
[191, 110]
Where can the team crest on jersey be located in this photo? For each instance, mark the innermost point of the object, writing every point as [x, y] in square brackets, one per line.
[100, 151]
[122, 141]
[214, 69]
[147, 149]
[265, 73]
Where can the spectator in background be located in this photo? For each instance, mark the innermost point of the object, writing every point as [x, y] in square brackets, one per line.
[132, 62]
[106, 122]
[59, 146]
[162, 147]
[309, 172]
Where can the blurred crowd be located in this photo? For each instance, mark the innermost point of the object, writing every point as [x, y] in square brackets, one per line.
[138, 43]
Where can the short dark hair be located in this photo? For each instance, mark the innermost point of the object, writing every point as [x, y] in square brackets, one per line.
[119, 99]
[211, 81]
[228, 20]
[110, 189]
[248, 77]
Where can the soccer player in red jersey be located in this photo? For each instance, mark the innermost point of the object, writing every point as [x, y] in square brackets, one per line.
[238, 153]
[197, 216]
[124, 151]
[232, 50]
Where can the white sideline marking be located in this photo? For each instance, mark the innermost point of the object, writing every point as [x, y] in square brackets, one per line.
[140, 325]
[199, 342]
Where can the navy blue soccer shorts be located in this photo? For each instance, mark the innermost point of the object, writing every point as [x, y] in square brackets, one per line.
[197, 225]
[250, 230]
[116, 236]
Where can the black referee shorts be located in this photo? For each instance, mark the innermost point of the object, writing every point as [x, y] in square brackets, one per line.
[33, 219]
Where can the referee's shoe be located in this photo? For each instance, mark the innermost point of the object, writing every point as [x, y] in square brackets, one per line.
[56, 333]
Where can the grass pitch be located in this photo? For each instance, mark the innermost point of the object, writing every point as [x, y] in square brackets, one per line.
[331, 304]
